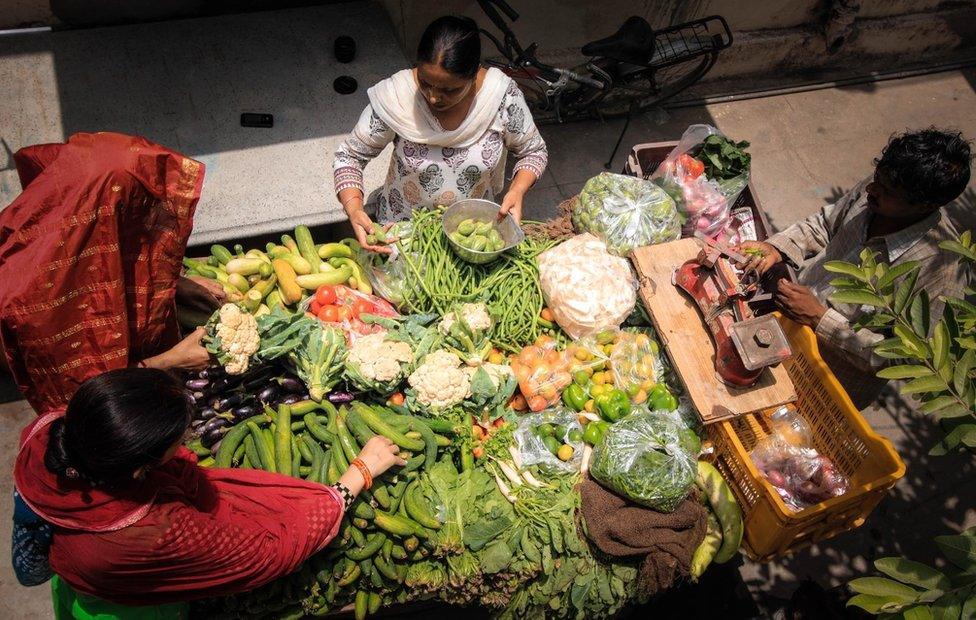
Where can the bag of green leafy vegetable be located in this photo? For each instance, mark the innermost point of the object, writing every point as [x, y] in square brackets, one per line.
[625, 212]
[649, 457]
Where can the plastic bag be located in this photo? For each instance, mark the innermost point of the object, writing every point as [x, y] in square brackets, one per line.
[704, 203]
[627, 360]
[626, 212]
[649, 457]
[387, 273]
[531, 443]
[587, 288]
[542, 372]
[787, 459]
[358, 303]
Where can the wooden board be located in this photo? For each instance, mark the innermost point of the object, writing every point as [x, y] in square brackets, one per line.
[689, 344]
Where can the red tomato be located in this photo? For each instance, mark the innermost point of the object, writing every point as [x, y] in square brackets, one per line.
[345, 313]
[325, 295]
[329, 314]
[314, 307]
[361, 306]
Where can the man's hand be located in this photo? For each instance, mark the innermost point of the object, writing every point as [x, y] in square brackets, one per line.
[199, 293]
[800, 304]
[189, 354]
[762, 256]
[512, 205]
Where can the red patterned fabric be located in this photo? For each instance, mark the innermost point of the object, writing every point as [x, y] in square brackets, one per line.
[182, 533]
[90, 254]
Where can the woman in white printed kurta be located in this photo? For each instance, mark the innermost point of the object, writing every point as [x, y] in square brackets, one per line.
[450, 133]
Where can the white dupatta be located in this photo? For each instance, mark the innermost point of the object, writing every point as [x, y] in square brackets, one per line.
[398, 102]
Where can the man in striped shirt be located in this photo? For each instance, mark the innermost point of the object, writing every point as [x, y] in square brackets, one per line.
[898, 213]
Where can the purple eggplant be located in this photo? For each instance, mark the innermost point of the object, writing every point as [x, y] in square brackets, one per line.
[196, 425]
[228, 402]
[338, 398]
[253, 380]
[197, 385]
[244, 412]
[209, 438]
[207, 413]
[213, 423]
[292, 385]
[290, 399]
[191, 398]
[268, 394]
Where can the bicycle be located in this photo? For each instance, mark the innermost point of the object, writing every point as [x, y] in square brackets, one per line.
[630, 71]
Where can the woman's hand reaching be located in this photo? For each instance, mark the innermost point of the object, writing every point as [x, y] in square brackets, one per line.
[189, 354]
[379, 454]
[512, 205]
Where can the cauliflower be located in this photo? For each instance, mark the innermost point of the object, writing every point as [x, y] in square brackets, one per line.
[498, 373]
[474, 315]
[377, 364]
[465, 332]
[492, 385]
[440, 381]
[232, 336]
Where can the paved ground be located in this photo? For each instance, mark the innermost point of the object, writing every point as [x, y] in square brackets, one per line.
[807, 148]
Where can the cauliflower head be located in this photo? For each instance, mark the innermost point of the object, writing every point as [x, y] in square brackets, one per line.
[233, 338]
[498, 373]
[440, 381]
[376, 362]
[475, 315]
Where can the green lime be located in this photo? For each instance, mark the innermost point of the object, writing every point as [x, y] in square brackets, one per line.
[552, 444]
[575, 435]
[544, 430]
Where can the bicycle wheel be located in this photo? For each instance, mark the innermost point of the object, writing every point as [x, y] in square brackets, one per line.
[650, 89]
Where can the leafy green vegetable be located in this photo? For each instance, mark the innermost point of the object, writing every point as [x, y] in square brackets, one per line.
[723, 158]
[648, 457]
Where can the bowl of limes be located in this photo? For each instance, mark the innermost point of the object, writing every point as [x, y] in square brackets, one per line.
[476, 234]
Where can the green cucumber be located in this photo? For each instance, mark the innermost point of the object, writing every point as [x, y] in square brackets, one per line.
[382, 428]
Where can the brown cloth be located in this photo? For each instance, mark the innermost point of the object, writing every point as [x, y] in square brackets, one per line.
[623, 529]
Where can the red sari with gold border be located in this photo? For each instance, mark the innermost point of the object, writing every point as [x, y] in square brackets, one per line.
[90, 254]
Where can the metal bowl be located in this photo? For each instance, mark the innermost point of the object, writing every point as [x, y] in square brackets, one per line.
[483, 210]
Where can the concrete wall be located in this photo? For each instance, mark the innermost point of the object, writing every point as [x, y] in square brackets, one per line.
[773, 39]
[18, 13]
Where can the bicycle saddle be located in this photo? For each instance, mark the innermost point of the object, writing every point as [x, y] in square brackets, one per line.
[633, 43]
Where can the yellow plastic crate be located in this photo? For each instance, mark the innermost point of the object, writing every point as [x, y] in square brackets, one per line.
[839, 432]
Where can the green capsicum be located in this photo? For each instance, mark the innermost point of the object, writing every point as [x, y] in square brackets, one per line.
[613, 405]
[575, 397]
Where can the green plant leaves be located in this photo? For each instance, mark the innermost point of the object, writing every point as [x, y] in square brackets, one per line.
[847, 269]
[896, 272]
[960, 374]
[930, 383]
[960, 549]
[913, 573]
[907, 371]
[882, 586]
[940, 345]
[858, 297]
[919, 313]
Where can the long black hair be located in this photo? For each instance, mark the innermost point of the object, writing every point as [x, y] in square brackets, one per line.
[930, 166]
[116, 423]
[453, 43]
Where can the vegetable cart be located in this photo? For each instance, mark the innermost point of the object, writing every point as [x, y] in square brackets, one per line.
[868, 460]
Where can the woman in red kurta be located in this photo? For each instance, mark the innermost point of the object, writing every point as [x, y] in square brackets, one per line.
[138, 522]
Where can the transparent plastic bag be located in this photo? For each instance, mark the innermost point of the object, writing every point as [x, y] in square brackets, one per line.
[352, 326]
[532, 446]
[787, 459]
[587, 288]
[626, 212]
[542, 371]
[388, 273]
[704, 203]
[649, 457]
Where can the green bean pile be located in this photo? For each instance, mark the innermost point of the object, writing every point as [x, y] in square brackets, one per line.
[440, 280]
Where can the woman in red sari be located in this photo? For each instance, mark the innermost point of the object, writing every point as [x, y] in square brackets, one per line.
[90, 261]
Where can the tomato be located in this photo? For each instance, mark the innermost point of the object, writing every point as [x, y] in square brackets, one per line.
[397, 399]
[314, 307]
[329, 314]
[325, 295]
[361, 306]
[345, 313]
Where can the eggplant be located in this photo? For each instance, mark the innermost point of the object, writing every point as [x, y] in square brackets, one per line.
[290, 399]
[244, 412]
[254, 380]
[229, 402]
[217, 422]
[198, 396]
[191, 398]
[209, 438]
[292, 385]
[207, 413]
[214, 372]
[197, 424]
[197, 385]
[338, 398]
[268, 394]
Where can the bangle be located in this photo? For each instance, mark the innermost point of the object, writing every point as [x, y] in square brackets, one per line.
[367, 477]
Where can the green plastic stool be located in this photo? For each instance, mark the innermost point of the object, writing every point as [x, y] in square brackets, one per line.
[69, 605]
